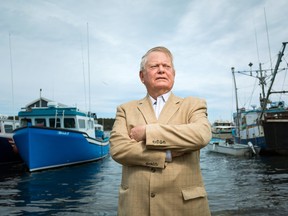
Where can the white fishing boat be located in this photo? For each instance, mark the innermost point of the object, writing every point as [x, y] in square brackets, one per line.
[228, 147]
[8, 150]
[222, 129]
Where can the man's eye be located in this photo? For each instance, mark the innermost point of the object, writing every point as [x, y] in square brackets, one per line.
[154, 66]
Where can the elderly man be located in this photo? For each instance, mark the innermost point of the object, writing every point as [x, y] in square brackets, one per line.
[157, 140]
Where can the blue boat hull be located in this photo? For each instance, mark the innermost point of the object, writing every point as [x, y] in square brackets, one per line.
[44, 148]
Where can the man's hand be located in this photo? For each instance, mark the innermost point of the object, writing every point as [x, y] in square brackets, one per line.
[138, 133]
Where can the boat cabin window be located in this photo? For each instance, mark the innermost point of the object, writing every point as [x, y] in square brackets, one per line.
[40, 122]
[52, 122]
[8, 128]
[24, 122]
[81, 123]
[69, 123]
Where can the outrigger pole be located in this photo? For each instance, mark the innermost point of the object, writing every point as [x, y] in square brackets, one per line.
[273, 78]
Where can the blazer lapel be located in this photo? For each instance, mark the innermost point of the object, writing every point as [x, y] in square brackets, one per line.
[147, 110]
[171, 106]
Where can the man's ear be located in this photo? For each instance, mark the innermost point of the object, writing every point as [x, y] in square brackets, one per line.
[141, 76]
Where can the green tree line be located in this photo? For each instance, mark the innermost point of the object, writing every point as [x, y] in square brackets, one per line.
[107, 123]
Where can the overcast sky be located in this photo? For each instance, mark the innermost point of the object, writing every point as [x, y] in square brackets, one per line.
[49, 50]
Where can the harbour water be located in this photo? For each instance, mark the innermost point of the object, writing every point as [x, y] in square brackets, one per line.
[235, 186]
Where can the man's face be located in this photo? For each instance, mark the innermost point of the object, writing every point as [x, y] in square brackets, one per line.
[158, 76]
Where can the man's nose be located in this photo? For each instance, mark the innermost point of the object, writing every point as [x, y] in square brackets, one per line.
[161, 69]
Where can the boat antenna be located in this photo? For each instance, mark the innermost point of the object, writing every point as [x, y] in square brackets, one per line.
[88, 53]
[256, 40]
[83, 68]
[267, 33]
[261, 78]
[12, 82]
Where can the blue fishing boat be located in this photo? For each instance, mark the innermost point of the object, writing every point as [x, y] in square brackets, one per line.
[56, 136]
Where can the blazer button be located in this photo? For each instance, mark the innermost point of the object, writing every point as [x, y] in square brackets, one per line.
[153, 195]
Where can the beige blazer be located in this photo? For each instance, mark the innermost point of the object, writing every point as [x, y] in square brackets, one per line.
[151, 186]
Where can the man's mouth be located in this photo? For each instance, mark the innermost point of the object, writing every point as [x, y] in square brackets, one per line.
[160, 78]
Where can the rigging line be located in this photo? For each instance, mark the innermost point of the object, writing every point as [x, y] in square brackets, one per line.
[249, 99]
[252, 93]
[12, 83]
[256, 42]
[283, 84]
[268, 39]
[284, 58]
[268, 76]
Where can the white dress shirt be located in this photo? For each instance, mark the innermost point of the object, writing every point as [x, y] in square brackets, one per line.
[159, 103]
[158, 106]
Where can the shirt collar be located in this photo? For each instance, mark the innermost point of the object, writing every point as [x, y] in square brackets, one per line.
[164, 96]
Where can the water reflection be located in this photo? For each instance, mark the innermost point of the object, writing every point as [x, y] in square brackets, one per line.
[235, 186]
[246, 186]
[78, 189]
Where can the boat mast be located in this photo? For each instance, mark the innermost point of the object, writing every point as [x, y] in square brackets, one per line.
[273, 78]
[262, 80]
[88, 53]
[40, 101]
[237, 106]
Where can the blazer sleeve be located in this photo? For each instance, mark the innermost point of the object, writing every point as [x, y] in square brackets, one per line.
[129, 152]
[189, 130]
